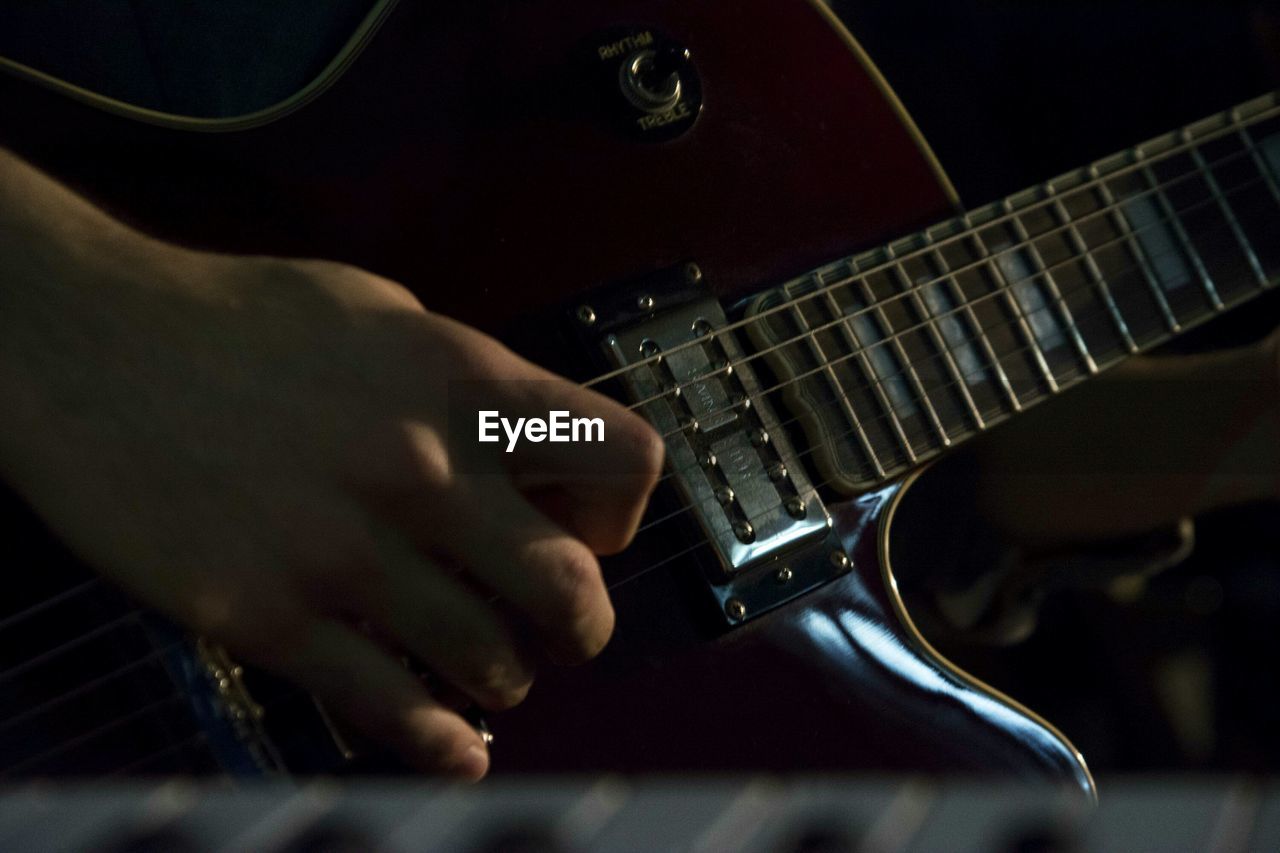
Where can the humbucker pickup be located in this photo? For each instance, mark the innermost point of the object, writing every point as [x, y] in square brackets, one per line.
[730, 456]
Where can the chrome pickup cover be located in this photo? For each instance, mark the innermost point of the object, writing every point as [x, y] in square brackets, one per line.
[724, 444]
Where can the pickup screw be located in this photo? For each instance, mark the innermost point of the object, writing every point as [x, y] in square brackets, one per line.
[744, 531]
[724, 494]
[692, 273]
[795, 507]
[645, 303]
[586, 315]
[777, 472]
[709, 459]
[759, 438]
[701, 328]
[735, 608]
[690, 424]
[741, 402]
[648, 348]
[840, 560]
[784, 574]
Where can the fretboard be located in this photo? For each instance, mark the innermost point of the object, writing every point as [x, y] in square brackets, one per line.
[894, 355]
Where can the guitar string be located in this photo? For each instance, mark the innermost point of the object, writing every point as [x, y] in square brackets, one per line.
[804, 452]
[980, 265]
[953, 349]
[990, 415]
[65, 746]
[133, 766]
[612, 586]
[957, 312]
[987, 415]
[1235, 125]
[900, 374]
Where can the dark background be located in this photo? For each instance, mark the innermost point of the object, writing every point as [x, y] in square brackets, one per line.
[1179, 673]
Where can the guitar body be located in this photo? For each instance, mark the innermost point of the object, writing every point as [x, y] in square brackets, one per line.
[461, 154]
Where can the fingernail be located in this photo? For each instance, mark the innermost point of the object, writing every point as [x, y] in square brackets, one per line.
[475, 763]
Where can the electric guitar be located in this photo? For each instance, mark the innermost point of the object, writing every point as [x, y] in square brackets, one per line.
[698, 207]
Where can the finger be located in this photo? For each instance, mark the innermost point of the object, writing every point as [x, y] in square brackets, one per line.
[543, 571]
[597, 484]
[546, 573]
[606, 439]
[362, 684]
[451, 629]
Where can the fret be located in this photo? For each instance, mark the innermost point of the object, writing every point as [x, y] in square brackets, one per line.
[1267, 176]
[869, 394]
[1028, 337]
[1118, 219]
[1209, 225]
[891, 338]
[1109, 255]
[1245, 179]
[956, 299]
[949, 299]
[938, 340]
[866, 344]
[1093, 274]
[1227, 212]
[807, 357]
[1065, 320]
[1172, 219]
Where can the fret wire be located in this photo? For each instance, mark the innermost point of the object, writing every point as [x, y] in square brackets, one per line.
[868, 370]
[1230, 214]
[966, 307]
[926, 238]
[1095, 273]
[960, 309]
[877, 387]
[1118, 219]
[1064, 311]
[1020, 319]
[1206, 280]
[846, 406]
[939, 341]
[912, 376]
[1266, 107]
[1263, 169]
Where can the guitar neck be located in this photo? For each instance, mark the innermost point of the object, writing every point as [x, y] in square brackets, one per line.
[914, 347]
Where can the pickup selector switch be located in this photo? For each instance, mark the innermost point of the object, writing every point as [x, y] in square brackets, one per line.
[646, 82]
[650, 81]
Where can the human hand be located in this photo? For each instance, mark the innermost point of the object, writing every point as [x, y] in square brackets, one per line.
[259, 448]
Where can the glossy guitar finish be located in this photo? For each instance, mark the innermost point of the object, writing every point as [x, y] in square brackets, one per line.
[461, 155]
